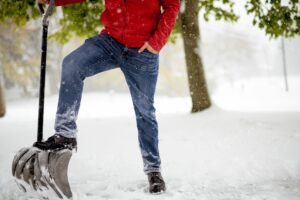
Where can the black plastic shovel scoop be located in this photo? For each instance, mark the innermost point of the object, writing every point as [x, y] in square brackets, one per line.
[33, 167]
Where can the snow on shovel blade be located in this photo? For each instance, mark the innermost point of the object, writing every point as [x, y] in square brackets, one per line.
[40, 182]
[43, 170]
[21, 159]
[28, 172]
[22, 167]
[17, 157]
[54, 169]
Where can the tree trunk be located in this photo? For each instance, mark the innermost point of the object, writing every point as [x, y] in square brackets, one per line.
[2, 104]
[191, 38]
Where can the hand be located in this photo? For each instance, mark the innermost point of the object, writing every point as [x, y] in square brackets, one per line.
[148, 47]
[43, 1]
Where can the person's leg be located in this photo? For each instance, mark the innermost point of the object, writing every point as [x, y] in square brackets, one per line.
[96, 55]
[141, 71]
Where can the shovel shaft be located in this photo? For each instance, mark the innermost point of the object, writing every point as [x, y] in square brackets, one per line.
[42, 84]
[43, 67]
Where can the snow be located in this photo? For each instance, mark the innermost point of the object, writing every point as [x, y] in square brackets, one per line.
[245, 147]
[221, 153]
[259, 94]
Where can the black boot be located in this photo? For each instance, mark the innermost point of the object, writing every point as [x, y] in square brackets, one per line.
[57, 142]
[156, 183]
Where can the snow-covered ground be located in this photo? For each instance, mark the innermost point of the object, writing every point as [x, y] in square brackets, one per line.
[225, 152]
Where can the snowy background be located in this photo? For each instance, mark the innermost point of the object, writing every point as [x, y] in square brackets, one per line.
[245, 147]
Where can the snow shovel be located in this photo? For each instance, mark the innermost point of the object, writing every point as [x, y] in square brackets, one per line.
[33, 167]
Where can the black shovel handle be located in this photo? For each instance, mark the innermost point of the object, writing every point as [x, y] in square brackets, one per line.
[43, 67]
[41, 8]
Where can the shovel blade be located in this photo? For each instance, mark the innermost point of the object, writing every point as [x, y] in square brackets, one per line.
[43, 170]
[54, 169]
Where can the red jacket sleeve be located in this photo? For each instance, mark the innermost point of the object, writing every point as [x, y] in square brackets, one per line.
[67, 2]
[165, 24]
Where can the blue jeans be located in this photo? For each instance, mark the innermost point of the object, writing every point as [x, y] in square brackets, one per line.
[99, 54]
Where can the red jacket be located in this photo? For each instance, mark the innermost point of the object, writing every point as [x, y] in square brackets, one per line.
[134, 22]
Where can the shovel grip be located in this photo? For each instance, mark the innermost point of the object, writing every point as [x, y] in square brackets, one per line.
[48, 11]
[41, 8]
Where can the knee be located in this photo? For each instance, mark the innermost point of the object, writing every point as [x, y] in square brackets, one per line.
[70, 67]
[145, 108]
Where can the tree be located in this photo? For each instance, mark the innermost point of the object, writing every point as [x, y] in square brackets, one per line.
[2, 104]
[274, 16]
[189, 24]
[195, 71]
[18, 62]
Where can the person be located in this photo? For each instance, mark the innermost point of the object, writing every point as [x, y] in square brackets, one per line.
[134, 32]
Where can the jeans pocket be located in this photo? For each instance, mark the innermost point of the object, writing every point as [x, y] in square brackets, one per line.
[147, 52]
